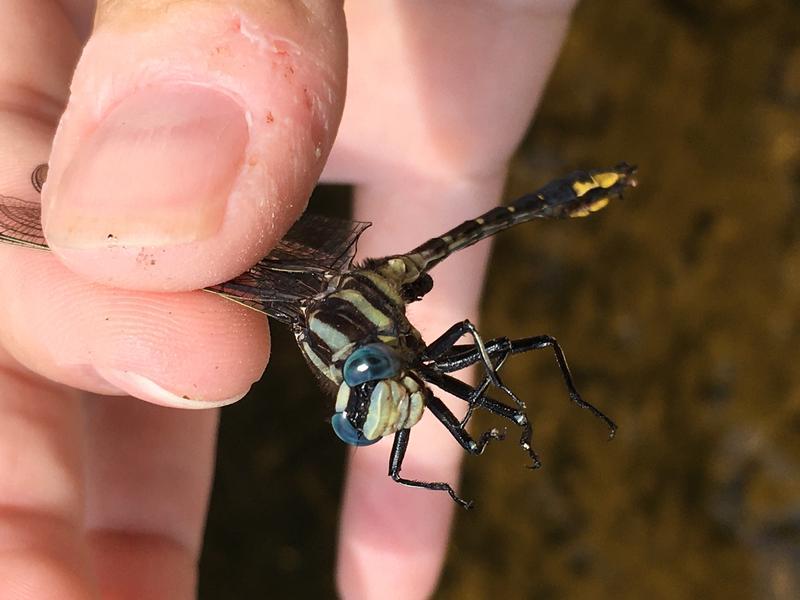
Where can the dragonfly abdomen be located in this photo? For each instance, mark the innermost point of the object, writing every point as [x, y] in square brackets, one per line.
[576, 195]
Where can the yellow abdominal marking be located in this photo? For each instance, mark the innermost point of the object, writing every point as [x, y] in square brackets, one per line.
[587, 210]
[599, 180]
[606, 180]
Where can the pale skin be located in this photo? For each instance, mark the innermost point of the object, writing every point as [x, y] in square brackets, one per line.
[106, 495]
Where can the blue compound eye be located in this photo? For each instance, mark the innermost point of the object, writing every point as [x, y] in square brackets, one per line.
[347, 433]
[370, 363]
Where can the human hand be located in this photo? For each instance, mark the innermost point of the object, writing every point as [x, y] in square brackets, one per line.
[193, 134]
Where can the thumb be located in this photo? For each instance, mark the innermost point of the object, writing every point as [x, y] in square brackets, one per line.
[193, 136]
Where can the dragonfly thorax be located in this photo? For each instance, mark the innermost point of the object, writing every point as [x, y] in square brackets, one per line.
[363, 307]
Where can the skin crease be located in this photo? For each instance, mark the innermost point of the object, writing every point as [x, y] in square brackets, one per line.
[109, 495]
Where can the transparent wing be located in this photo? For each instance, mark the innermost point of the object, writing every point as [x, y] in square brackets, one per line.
[320, 241]
[315, 250]
[21, 223]
[312, 252]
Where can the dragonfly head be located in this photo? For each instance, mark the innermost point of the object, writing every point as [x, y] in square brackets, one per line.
[377, 396]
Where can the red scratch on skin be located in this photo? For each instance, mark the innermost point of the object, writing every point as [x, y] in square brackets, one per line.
[282, 59]
[252, 161]
[270, 118]
[280, 48]
[236, 24]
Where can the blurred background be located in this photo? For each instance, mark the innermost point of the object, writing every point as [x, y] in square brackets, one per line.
[678, 309]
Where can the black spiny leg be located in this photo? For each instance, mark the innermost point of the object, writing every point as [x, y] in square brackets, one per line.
[441, 412]
[446, 342]
[475, 393]
[476, 398]
[461, 356]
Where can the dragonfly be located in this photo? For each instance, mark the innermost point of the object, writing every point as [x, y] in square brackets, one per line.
[349, 319]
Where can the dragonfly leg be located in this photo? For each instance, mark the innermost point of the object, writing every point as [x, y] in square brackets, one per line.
[457, 430]
[461, 356]
[447, 340]
[474, 393]
[477, 399]
[399, 448]
[441, 412]
[444, 344]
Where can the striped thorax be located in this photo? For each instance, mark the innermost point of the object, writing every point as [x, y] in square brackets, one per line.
[357, 338]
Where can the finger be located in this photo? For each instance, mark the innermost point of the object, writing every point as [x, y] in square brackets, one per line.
[148, 480]
[194, 134]
[44, 548]
[466, 78]
[464, 106]
[34, 81]
[190, 350]
[42, 551]
[389, 530]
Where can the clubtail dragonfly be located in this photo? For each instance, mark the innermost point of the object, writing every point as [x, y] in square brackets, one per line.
[350, 321]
